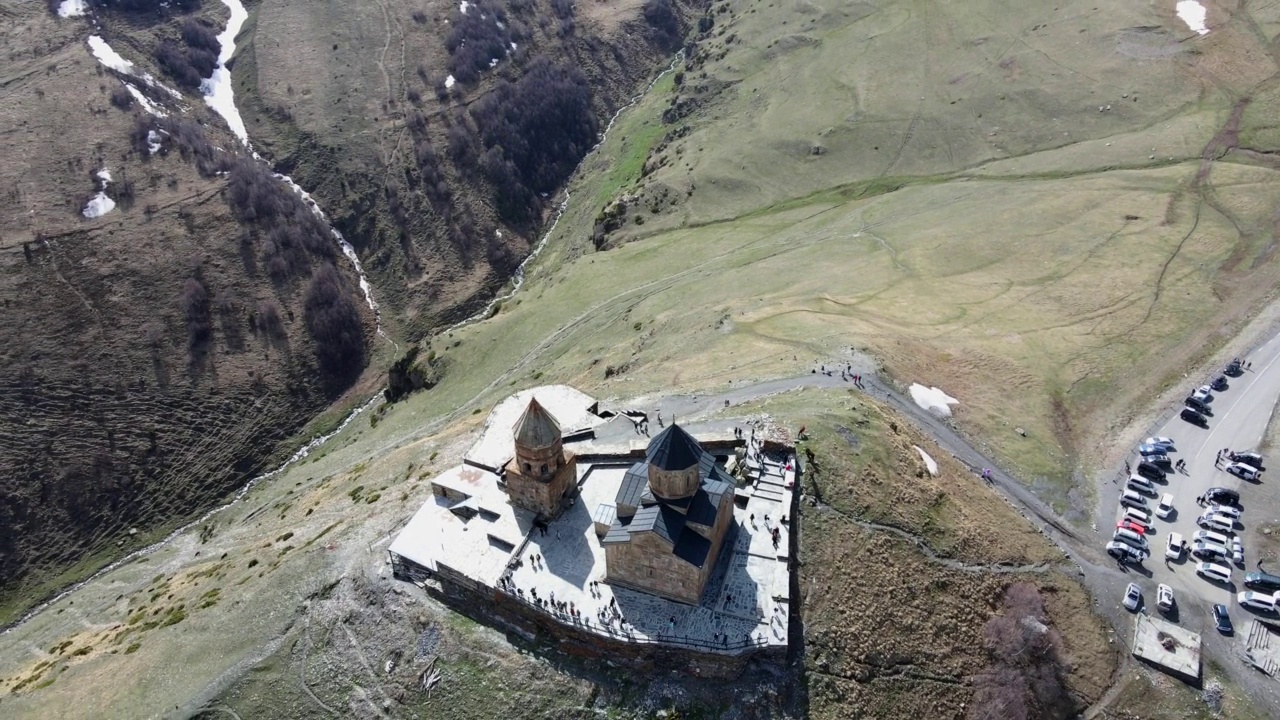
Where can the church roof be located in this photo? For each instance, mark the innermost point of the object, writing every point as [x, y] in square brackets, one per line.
[673, 449]
[536, 428]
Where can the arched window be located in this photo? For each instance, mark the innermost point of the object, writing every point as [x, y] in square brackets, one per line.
[528, 468]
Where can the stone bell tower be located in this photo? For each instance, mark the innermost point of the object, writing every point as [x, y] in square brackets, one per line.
[542, 473]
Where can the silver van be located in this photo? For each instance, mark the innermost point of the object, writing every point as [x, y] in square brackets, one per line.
[1131, 537]
[1133, 498]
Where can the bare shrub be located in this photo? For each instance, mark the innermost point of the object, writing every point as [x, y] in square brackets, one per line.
[122, 98]
[200, 35]
[268, 320]
[1027, 677]
[473, 42]
[195, 306]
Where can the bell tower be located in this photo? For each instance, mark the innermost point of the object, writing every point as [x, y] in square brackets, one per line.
[541, 474]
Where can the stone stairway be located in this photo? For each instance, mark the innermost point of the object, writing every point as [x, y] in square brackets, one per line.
[1258, 644]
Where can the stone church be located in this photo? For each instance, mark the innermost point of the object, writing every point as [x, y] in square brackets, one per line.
[542, 474]
[673, 511]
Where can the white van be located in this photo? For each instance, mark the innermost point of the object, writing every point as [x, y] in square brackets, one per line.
[1142, 516]
[1216, 521]
[1130, 537]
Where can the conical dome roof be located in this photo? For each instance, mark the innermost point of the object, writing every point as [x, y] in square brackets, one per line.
[673, 449]
[536, 428]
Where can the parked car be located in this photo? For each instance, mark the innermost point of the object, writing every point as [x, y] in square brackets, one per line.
[1141, 484]
[1244, 472]
[1222, 496]
[1214, 572]
[1130, 537]
[1161, 441]
[1150, 470]
[1133, 499]
[1203, 394]
[1214, 521]
[1237, 551]
[1235, 368]
[1210, 536]
[1133, 597]
[1125, 552]
[1164, 597]
[1161, 460]
[1146, 450]
[1127, 524]
[1165, 508]
[1251, 459]
[1222, 619]
[1138, 515]
[1230, 511]
[1254, 600]
[1220, 383]
[1265, 582]
[1198, 405]
[1193, 417]
[1175, 546]
[1210, 551]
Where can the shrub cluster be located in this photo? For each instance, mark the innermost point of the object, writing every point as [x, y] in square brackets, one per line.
[534, 132]
[1027, 677]
[664, 21]
[333, 321]
[290, 234]
[195, 306]
[122, 98]
[477, 38]
[187, 67]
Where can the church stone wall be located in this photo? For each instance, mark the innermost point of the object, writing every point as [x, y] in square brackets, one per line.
[542, 497]
[648, 565]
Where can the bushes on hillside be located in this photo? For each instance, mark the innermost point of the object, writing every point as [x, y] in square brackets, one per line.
[534, 132]
[474, 42]
[664, 21]
[1027, 676]
[199, 35]
[195, 307]
[187, 67]
[333, 321]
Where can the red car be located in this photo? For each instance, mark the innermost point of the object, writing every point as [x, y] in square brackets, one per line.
[1133, 525]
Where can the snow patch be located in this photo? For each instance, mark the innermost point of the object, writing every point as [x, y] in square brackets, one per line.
[72, 8]
[932, 399]
[217, 90]
[449, 81]
[109, 57]
[1193, 14]
[493, 62]
[928, 461]
[100, 204]
[145, 101]
[463, 7]
[153, 142]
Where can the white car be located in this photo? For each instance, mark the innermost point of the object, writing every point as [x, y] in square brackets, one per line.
[1164, 597]
[1204, 394]
[1173, 550]
[1138, 515]
[1165, 508]
[1215, 521]
[1126, 552]
[1158, 440]
[1210, 537]
[1262, 602]
[1242, 471]
[1214, 572]
[1133, 597]
[1237, 551]
[1210, 551]
[1230, 511]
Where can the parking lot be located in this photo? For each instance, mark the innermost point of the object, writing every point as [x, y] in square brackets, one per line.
[1239, 420]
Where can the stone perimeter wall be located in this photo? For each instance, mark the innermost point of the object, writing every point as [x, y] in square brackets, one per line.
[496, 608]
